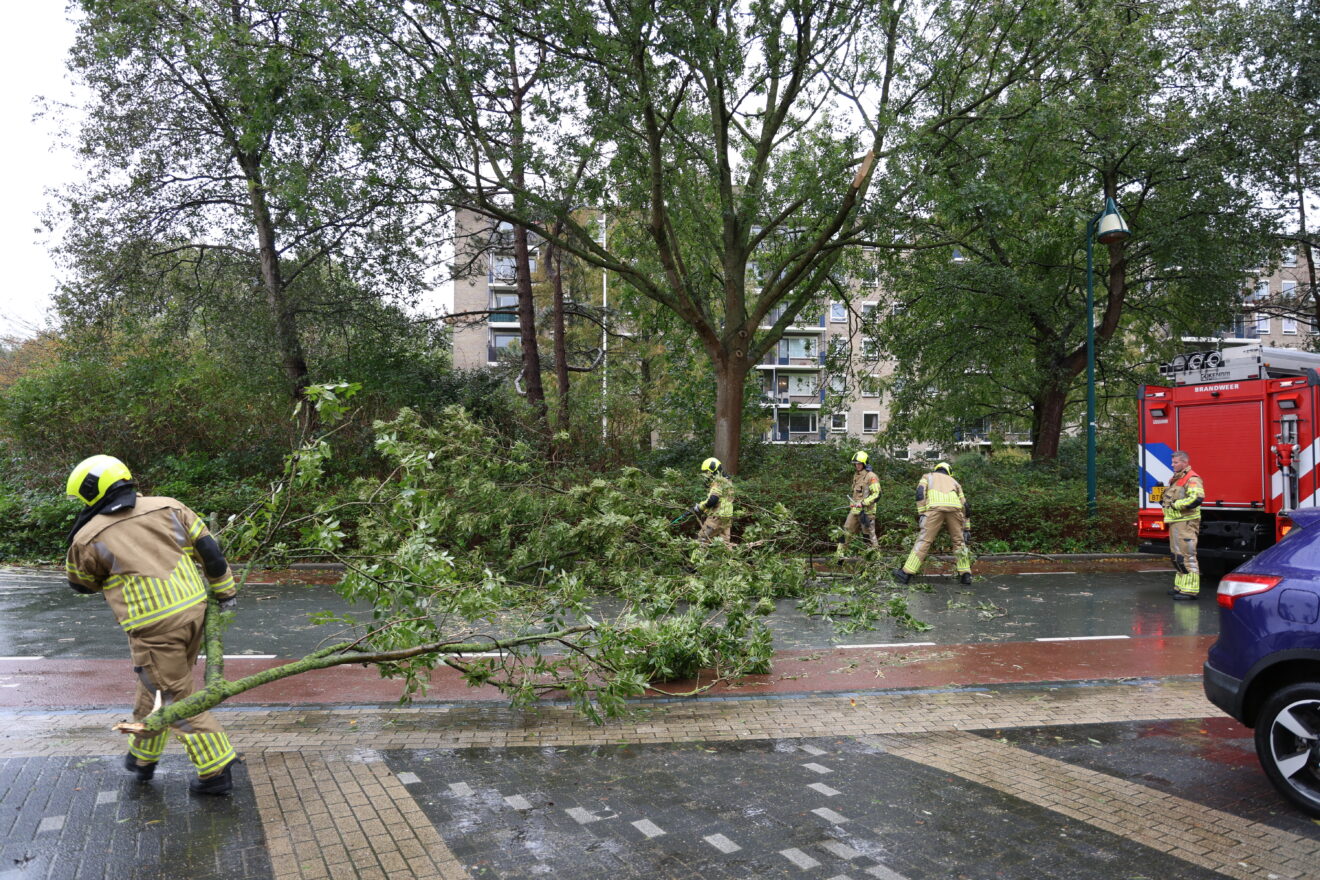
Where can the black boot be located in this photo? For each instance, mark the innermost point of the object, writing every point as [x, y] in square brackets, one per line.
[1186, 597]
[144, 771]
[965, 578]
[220, 783]
[901, 576]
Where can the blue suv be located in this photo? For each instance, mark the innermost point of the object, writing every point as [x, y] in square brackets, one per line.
[1264, 670]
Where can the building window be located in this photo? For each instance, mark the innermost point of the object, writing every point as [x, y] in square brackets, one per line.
[503, 269]
[897, 307]
[838, 313]
[799, 347]
[1287, 289]
[838, 385]
[901, 454]
[839, 422]
[507, 305]
[870, 386]
[871, 423]
[797, 423]
[1290, 326]
[1290, 257]
[802, 384]
[1262, 323]
[1263, 289]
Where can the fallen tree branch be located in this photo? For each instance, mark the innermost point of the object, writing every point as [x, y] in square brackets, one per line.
[218, 689]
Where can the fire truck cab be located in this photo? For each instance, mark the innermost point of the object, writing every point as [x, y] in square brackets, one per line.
[1246, 417]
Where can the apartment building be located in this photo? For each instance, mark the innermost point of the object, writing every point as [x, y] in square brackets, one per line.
[485, 280]
[1278, 309]
[821, 380]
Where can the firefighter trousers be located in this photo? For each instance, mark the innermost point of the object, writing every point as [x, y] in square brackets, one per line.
[855, 523]
[937, 520]
[164, 662]
[717, 527]
[1182, 546]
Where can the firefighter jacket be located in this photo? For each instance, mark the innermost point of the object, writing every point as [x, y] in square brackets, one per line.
[1183, 497]
[720, 500]
[144, 560]
[939, 491]
[866, 490]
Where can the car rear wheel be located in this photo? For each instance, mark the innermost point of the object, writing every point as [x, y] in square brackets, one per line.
[1288, 744]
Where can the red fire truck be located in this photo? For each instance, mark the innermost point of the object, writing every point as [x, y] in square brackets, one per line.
[1247, 418]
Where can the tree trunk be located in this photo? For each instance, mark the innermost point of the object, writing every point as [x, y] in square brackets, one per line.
[531, 355]
[730, 377]
[554, 267]
[1047, 420]
[292, 358]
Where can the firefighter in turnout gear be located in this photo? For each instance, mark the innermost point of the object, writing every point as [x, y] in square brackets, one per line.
[717, 508]
[940, 506]
[142, 555]
[1182, 501]
[861, 502]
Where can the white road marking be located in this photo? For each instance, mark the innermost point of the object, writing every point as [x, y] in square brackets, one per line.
[818, 768]
[50, 823]
[649, 828]
[106, 797]
[823, 789]
[32, 657]
[884, 873]
[518, 802]
[890, 645]
[722, 843]
[1081, 638]
[811, 750]
[799, 858]
[830, 816]
[409, 778]
[1026, 573]
[581, 816]
[462, 789]
[842, 850]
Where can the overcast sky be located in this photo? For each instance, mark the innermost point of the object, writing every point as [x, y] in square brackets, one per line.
[33, 45]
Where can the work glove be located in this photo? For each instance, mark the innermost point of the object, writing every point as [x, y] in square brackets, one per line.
[696, 508]
[967, 535]
[921, 521]
[229, 604]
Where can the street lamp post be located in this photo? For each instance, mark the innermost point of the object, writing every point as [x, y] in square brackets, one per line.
[1108, 227]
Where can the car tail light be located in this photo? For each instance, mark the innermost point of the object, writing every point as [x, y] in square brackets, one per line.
[1235, 586]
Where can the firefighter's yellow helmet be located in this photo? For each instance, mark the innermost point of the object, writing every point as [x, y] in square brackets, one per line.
[93, 477]
[942, 466]
[860, 456]
[710, 466]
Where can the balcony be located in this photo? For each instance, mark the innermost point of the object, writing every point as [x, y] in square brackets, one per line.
[804, 322]
[801, 401]
[802, 362]
[504, 317]
[782, 436]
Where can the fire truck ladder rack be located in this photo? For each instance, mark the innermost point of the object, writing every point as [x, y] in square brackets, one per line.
[1242, 362]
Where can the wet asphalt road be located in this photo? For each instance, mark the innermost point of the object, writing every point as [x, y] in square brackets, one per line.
[41, 617]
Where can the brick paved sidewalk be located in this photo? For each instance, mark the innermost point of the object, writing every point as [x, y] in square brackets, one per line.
[377, 792]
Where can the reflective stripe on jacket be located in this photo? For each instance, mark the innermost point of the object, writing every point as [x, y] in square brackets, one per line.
[721, 488]
[1183, 497]
[866, 489]
[939, 490]
[144, 561]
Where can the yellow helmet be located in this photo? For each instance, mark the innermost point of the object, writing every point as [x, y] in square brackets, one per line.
[94, 476]
[710, 466]
[942, 466]
[860, 456]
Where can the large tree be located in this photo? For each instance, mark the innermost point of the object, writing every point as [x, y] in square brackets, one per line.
[993, 322]
[219, 130]
[737, 150]
[1274, 111]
